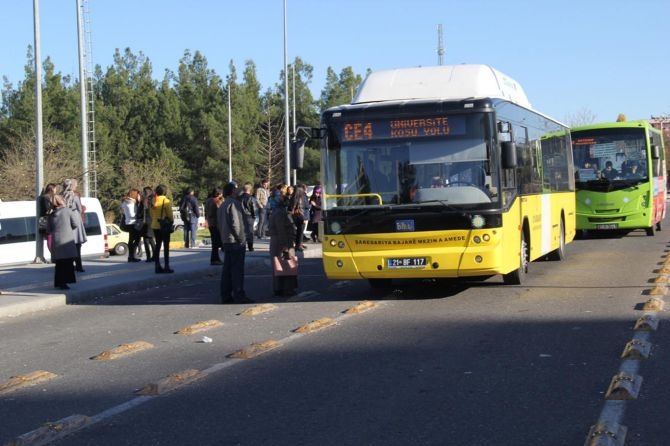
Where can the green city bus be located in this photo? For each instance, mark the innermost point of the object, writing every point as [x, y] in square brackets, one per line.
[620, 176]
[443, 172]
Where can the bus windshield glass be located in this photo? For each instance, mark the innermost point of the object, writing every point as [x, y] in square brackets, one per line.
[434, 160]
[610, 154]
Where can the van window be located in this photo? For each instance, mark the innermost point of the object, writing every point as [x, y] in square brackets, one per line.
[17, 230]
[92, 224]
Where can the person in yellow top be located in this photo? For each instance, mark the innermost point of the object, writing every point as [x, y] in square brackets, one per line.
[161, 209]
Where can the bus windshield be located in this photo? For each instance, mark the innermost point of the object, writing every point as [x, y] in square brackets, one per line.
[399, 162]
[611, 155]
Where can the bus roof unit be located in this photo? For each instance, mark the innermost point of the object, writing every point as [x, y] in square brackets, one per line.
[444, 82]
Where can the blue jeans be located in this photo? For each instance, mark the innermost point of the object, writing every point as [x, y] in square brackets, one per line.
[232, 273]
[190, 231]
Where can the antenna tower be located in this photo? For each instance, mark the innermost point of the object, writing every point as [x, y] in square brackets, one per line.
[440, 45]
[87, 56]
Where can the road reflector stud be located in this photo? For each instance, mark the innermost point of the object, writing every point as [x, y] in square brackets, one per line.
[624, 386]
[315, 325]
[122, 350]
[606, 434]
[636, 349]
[52, 431]
[654, 304]
[361, 307]
[258, 309]
[661, 279]
[19, 381]
[659, 290]
[664, 270]
[646, 323]
[255, 349]
[170, 382]
[199, 326]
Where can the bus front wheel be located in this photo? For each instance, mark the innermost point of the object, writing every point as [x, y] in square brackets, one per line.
[517, 276]
[651, 231]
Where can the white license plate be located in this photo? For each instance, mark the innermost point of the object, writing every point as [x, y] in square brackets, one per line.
[608, 226]
[407, 262]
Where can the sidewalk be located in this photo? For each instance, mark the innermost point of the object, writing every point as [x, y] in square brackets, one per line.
[29, 288]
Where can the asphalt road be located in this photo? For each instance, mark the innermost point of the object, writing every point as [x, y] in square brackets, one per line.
[432, 363]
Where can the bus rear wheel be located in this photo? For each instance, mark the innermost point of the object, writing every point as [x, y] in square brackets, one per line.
[559, 253]
[517, 276]
[651, 231]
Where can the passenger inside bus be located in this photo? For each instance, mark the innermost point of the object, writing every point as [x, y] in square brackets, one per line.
[609, 172]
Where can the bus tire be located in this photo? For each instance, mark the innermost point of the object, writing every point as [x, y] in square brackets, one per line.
[380, 283]
[517, 276]
[651, 231]
[558, 254]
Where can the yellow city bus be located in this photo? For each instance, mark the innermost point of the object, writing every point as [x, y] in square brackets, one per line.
[621, 182]
[443, 172]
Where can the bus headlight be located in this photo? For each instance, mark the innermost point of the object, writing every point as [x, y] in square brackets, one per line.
[477, 221]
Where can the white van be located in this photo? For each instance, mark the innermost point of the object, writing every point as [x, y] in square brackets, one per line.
[17, 231]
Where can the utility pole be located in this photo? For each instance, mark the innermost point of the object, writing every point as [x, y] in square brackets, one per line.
[39, 140]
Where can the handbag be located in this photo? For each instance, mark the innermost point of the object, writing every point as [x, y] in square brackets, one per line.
[165, 223]
[285, 265]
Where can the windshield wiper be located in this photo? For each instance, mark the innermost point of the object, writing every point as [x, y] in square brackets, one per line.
[442, 202]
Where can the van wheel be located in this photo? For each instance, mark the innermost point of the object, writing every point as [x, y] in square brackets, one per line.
[121, 249]
[517, 276]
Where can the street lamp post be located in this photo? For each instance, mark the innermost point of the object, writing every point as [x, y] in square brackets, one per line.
[39, 154]
[287, 154]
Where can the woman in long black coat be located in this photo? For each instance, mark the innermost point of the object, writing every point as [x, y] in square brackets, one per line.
[61, 223]
[282, 232]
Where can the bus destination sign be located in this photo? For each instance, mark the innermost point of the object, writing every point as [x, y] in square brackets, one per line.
[403, 128]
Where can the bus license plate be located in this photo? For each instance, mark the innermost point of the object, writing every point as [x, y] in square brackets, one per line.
[608, 226]
[407, 262]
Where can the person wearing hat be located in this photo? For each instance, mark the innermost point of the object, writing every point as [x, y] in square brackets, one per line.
[232, 227]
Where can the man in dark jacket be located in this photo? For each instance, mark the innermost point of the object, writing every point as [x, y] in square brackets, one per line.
[249, 207]
[232, 226]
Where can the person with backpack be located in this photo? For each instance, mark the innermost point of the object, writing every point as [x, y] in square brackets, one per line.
[189, 210]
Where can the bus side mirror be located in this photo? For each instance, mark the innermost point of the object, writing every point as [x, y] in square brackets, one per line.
[298, 153]
[655, 152]
[508, 155]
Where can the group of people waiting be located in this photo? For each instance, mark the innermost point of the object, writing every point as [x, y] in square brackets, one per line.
[231, 213]
[147, 216]
[62, 220]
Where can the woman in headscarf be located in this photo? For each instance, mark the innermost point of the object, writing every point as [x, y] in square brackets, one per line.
[73, 201]
[62, 222]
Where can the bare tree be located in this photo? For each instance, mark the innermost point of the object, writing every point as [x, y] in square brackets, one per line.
[583, 116]
[271, 134]
[17, 168]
